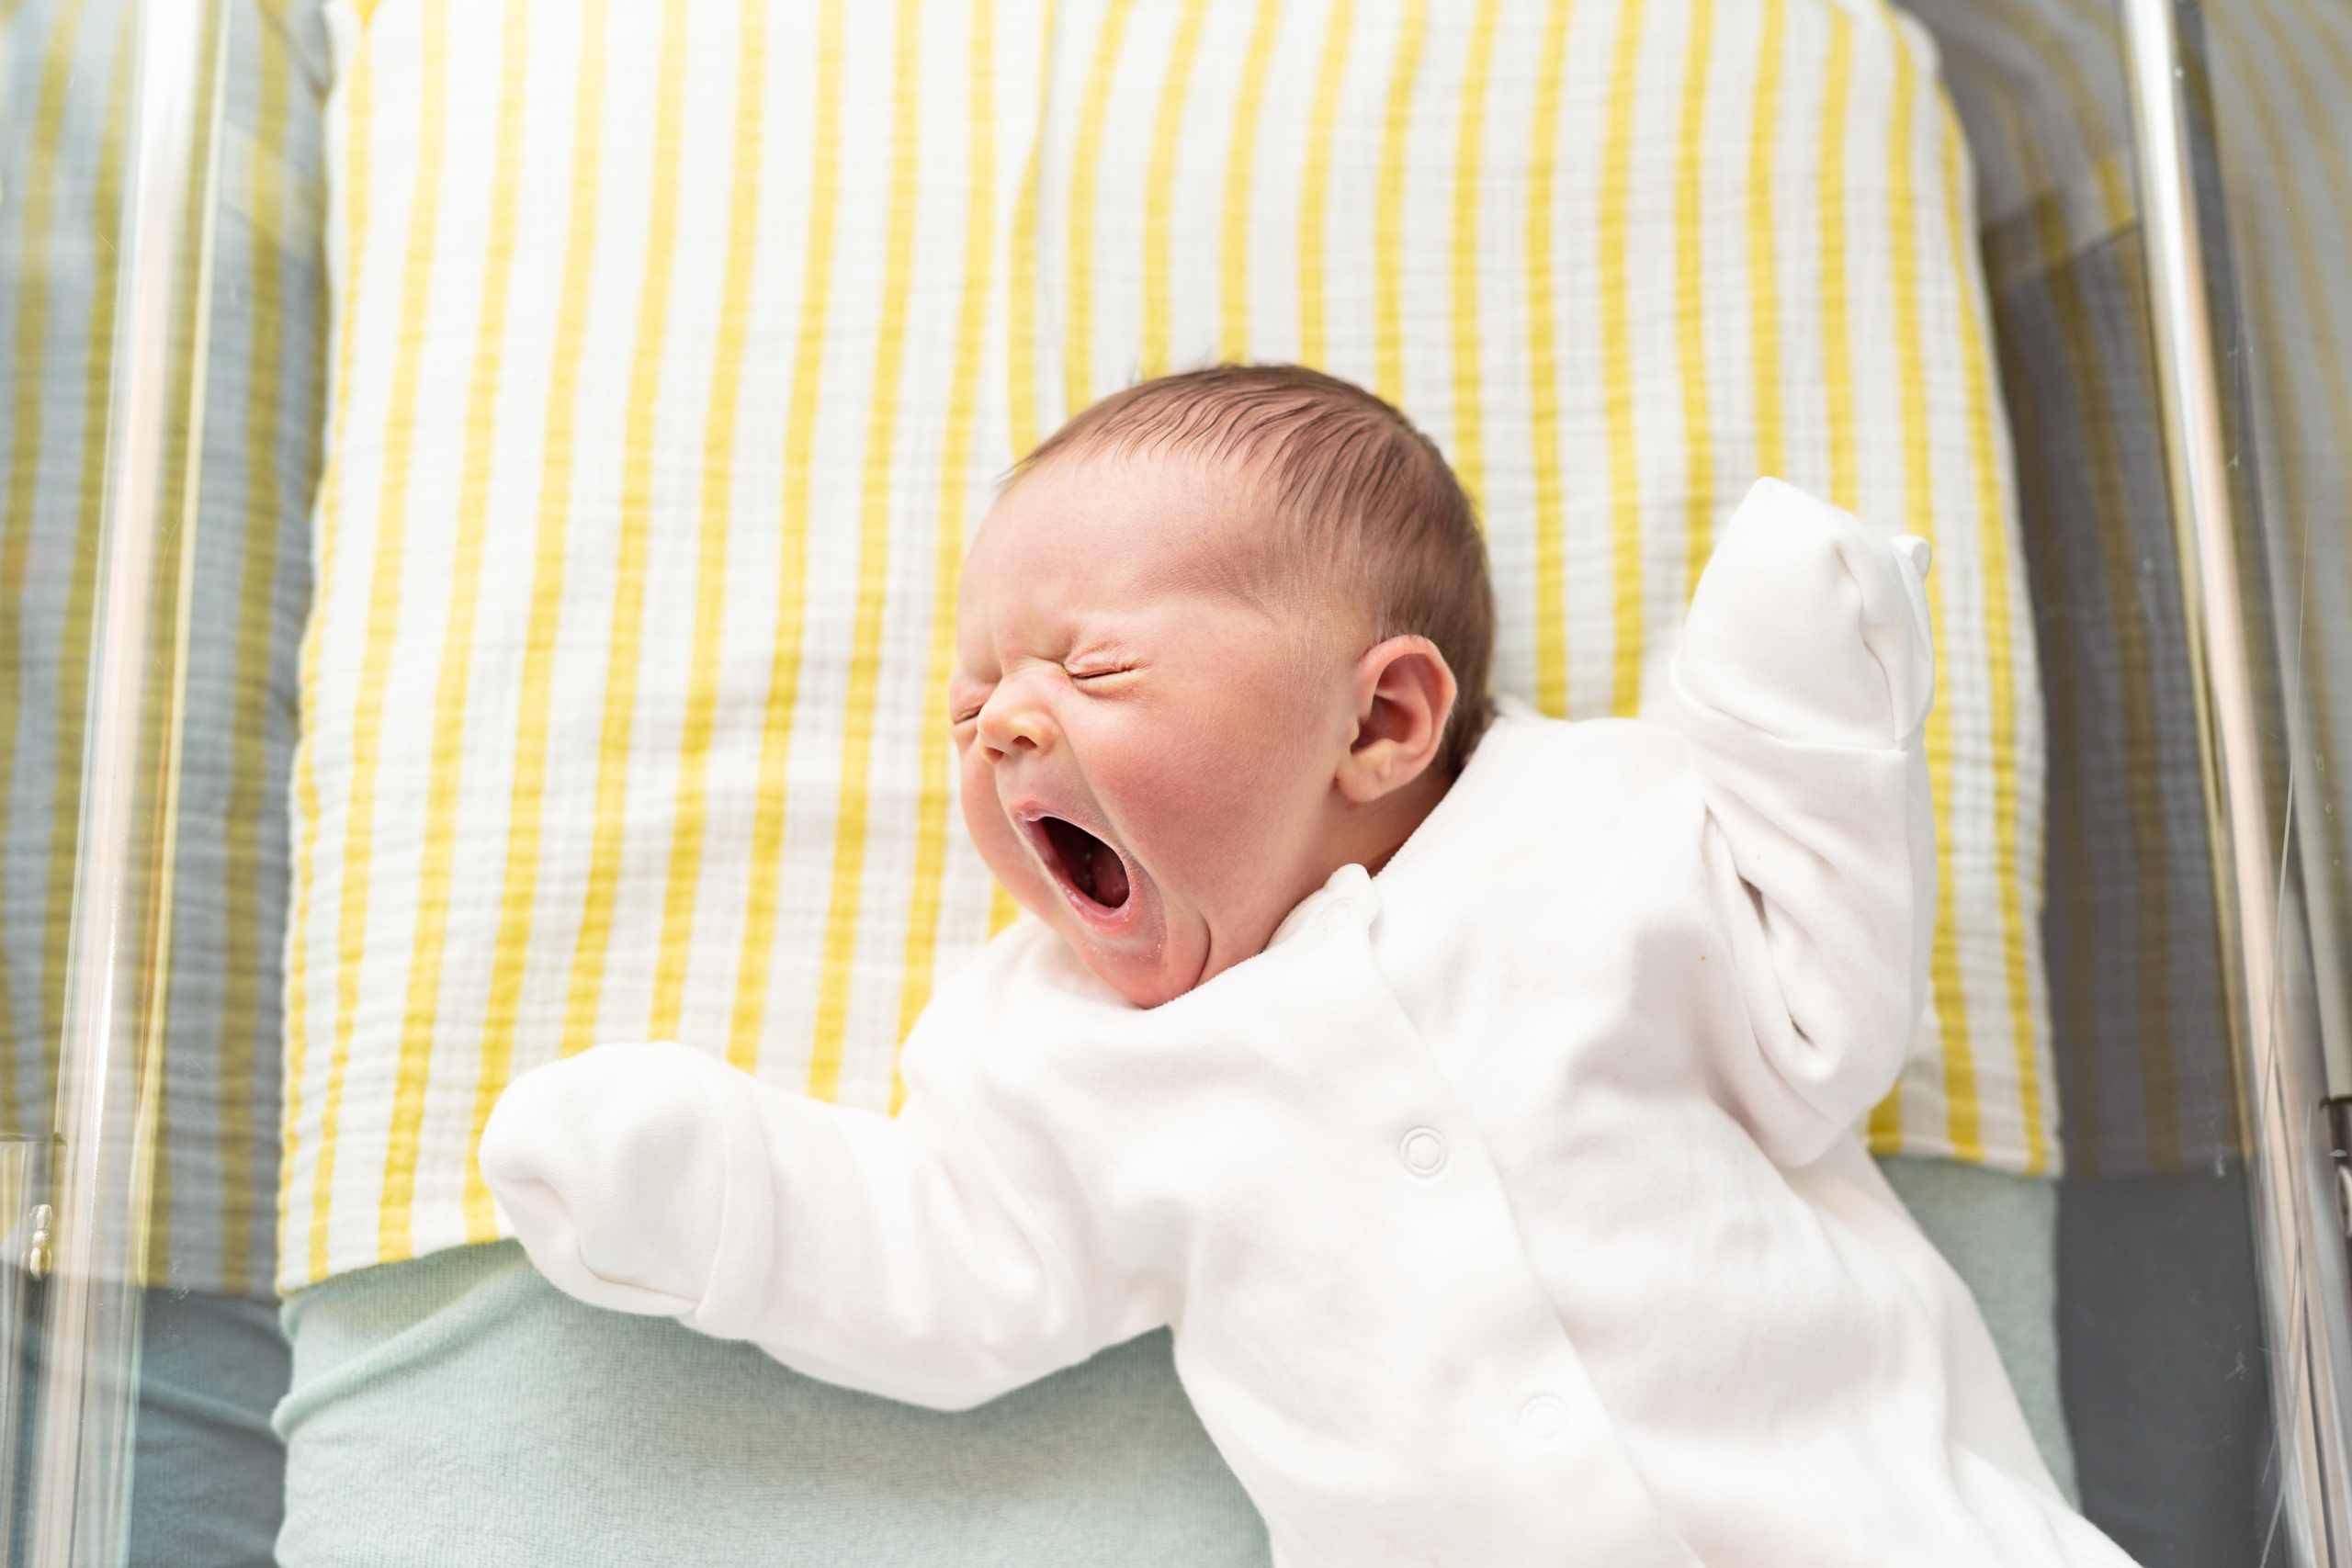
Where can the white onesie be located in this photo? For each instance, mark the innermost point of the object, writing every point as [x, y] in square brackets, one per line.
[1504, 1208]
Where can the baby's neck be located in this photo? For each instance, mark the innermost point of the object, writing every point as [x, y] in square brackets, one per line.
[1369, 835]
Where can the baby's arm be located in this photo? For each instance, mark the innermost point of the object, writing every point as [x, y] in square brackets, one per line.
[1804, 676]
[881, 1254]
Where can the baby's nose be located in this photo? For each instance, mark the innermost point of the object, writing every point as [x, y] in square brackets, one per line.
[1012, 720]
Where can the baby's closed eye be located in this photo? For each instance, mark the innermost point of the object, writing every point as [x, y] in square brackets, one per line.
[965, 703]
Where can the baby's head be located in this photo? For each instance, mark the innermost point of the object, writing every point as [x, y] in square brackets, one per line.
[1224, 634]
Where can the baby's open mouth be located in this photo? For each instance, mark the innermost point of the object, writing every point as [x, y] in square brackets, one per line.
[1086, 863]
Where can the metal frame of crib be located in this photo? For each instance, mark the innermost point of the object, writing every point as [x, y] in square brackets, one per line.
[2298, 1225]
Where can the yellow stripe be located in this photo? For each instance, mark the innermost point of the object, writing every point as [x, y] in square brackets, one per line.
[716, 503]
[1469, 459]
[358, 129]
[1543, 375]
[1837, 343]
[1763, 256]
[626, 638]
[1002, 908]
[1963, 1111]
[1388, 215]
[1023, 415]
[384, 595]
[1314, 199]
[954, 507]
[265, 420]
[420, 1022]
[1240, 158]
[382, 624]
[2000, 642]
[792, 552]
[873, 566]
[1690, 300]
[1020, 326]
[1078, 341]
[1837, 383]
[39, 225]
[1160, 184]
[518, 895]
[1617, 371]
[1838, 370]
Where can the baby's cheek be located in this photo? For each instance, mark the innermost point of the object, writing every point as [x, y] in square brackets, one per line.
[991, 834]
[1233, 814]
[1000, 846]
[1199, 816]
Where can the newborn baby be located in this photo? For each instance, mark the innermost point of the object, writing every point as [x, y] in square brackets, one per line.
[1473, 1097]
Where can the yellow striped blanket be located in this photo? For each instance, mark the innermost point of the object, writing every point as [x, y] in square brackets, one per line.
[680, 346]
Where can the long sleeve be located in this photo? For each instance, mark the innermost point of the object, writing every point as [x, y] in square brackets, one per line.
[882, 1254]
[1803, 683]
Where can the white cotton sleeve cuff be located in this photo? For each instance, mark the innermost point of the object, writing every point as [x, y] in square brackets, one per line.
[614, 1169]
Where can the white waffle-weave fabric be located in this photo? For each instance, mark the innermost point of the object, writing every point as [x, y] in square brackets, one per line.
[680, 346]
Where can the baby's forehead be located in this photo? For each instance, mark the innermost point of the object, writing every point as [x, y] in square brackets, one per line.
[1120, 534]
[1178, 514]
[1224, 482]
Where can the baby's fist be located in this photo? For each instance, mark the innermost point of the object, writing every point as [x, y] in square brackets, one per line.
[1811, 625]
[611, 1165]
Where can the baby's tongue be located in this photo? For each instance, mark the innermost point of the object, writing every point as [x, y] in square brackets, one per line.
[1110, 876]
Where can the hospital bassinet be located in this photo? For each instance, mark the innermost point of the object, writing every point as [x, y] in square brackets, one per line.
[485, 484]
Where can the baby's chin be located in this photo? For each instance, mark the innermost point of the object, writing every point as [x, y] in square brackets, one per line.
[1154, 953]
[1142, 986]
[1147, 962]
[1142, 965]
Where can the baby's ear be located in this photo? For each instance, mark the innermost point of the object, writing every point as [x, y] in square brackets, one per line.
[1404, 694]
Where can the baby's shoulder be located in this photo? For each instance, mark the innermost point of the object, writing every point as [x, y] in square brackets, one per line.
[1558, 799]
[1526, 752]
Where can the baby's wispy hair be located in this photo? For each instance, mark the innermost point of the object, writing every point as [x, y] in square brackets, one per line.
[1358, 491]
